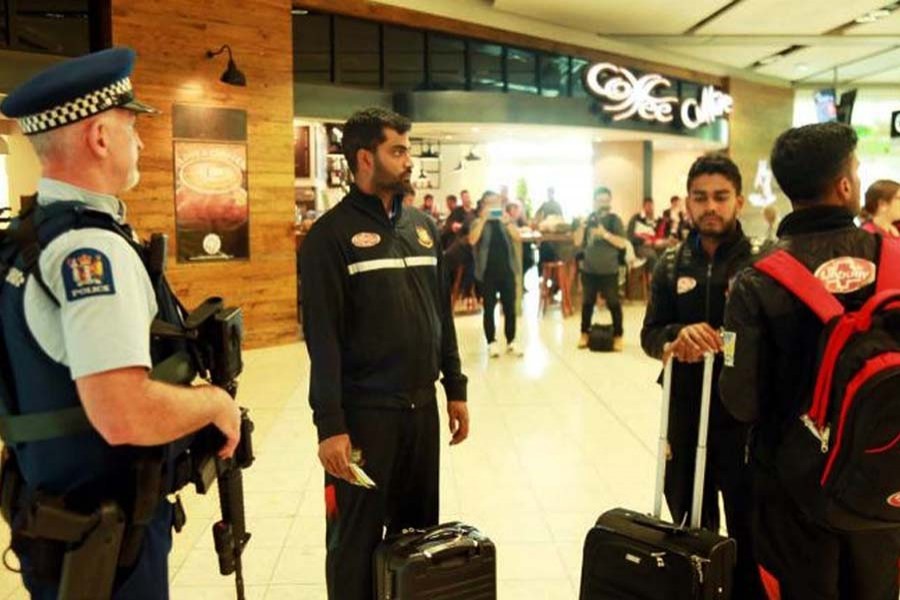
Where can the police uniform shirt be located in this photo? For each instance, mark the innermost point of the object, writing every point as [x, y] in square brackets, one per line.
[106, 300]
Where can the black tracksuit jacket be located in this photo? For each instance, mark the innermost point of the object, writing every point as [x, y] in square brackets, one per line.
[777, 336]
[690, 288]
[376, 311]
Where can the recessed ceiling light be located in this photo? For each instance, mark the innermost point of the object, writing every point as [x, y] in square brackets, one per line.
[802, 67]
[299, 11]
[476, 129]
[448, 137]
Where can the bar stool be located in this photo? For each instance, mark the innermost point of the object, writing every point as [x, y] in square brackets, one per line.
[555, 273]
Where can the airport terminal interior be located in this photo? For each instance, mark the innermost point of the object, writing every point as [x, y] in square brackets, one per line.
[543, 103]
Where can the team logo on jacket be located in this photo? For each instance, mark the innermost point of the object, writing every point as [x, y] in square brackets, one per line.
[846, 274]
[365, 239]
[685, 284]
[894, 500]
[424, 237]
[86, 272]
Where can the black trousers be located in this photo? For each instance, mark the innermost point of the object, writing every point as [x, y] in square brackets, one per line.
[807, 562]
[726, 472]
[401, 453]
[505, 285]
[608, 287]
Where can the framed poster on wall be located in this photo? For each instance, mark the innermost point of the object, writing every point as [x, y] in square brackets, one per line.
[212, 209]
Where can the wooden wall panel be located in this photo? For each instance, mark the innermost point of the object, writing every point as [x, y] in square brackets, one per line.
[171, 38]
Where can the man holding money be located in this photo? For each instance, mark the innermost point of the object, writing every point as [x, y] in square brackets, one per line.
[379, 331]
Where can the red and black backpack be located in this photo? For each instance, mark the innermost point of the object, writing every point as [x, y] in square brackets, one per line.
[840, 459]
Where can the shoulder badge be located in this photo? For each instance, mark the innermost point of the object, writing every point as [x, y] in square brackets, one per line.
[424, 237]
[846, 274]
[86, 272]
[365, 239]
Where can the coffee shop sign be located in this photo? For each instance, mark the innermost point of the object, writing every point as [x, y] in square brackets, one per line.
[629, 95]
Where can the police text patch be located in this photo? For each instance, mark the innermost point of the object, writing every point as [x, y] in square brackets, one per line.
[86, 272]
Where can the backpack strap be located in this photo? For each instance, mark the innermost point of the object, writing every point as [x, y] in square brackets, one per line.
[797, 279]
[889, 265]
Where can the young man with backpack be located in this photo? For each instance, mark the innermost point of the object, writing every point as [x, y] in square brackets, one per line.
[687, 303]
[824, 400]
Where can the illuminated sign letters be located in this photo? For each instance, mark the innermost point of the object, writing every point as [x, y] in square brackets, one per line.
[895, 124]
[628, 95]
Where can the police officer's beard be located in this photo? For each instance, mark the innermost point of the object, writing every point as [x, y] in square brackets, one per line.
[134, 177]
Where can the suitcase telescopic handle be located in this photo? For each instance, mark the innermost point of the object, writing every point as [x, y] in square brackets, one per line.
[702, 435]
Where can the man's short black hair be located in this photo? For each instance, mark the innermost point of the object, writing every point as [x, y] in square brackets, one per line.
[715, 164]
[364, 130]
[648, 200]
[806, 160]
[427, 196]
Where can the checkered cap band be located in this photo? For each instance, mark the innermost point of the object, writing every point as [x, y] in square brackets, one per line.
[115, 94]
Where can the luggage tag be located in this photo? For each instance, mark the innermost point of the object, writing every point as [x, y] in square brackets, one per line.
[361, 478]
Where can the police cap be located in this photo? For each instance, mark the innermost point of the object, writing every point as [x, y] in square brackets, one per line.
[73, 90]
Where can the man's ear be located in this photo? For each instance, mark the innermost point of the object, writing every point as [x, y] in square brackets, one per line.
[365, 158]
[844, 188]
[739, 200]
[96, 137]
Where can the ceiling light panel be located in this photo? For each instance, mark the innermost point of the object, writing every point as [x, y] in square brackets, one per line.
[776, 17]
[606, 16]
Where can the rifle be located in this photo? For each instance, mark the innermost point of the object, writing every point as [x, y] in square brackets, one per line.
[213, 352]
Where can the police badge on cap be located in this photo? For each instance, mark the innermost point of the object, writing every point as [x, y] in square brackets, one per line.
[73, 90]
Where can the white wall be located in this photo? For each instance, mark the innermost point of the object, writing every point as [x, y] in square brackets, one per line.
[620, 167]
[23, 169]
[670, 169]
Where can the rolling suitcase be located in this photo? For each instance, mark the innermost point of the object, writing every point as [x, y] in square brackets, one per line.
[632, 556]
[453, 561]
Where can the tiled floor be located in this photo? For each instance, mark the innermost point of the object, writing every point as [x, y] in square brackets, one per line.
[557, 437]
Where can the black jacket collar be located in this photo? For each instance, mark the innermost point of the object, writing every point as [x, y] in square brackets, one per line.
[816, 219]
[372, 205]
[728, 244]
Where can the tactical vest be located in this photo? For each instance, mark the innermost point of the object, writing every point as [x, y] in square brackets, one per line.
[41, 418]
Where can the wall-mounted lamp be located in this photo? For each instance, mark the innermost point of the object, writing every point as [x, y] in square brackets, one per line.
[232, 75]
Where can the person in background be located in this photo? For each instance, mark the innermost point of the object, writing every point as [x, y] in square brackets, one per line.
[467, 208]
[516, 216]
[409, 199]
[548, 251]
[453, 223]
[493, 237]
[770, 369]
[883, 208]
[642, 234]
[683, 316]
[770, 215]
[429, 207]
[674, 225]
[601, 237]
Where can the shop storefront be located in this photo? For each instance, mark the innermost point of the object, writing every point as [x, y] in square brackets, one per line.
[489, 114]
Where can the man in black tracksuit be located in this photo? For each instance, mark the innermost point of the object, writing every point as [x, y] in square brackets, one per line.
[776, 342]
[686, 309]
[379, 331]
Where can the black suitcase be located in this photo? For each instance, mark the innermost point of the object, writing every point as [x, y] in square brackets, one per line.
[453, 561]
[600, 338]
[631, 556]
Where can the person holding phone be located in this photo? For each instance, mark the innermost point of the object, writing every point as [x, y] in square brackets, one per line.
[494, 237]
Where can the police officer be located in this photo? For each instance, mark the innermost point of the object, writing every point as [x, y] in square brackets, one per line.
[76, 321]
[379, 330]
[685, 311]
[774, 366]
